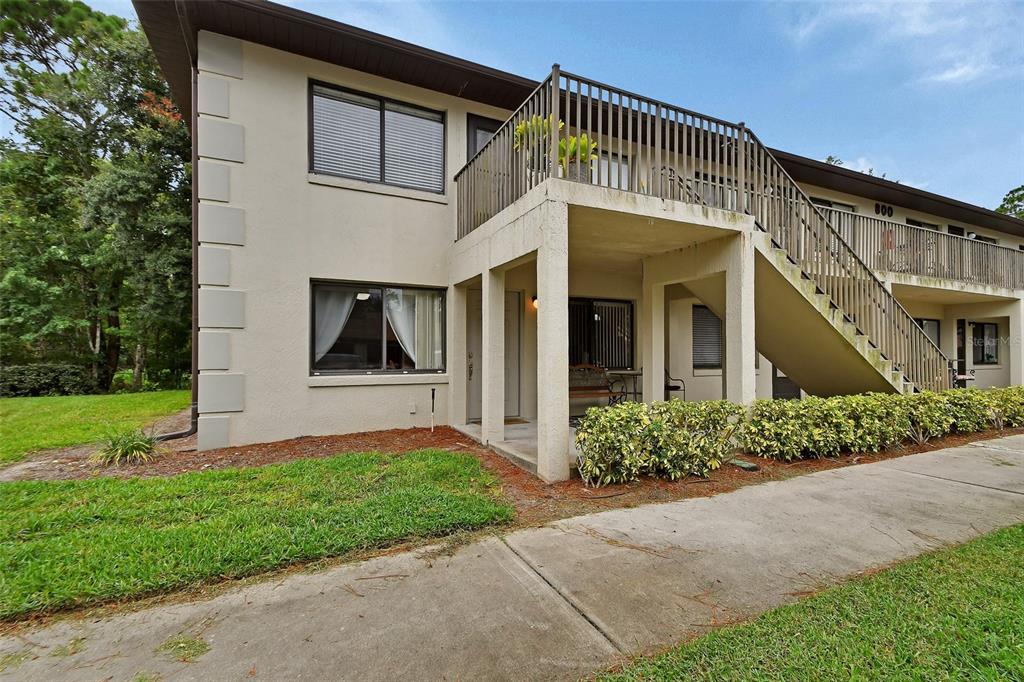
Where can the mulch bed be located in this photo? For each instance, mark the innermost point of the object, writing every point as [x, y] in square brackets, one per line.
[536, 502]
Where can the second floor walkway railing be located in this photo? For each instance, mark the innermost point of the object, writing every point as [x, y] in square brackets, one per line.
[585, 131]
[888, 246]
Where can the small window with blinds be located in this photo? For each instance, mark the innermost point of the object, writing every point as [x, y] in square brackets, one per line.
[376, 140]
[601, 333]
[707, 339]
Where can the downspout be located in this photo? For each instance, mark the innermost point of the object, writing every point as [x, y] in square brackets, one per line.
[194, 420]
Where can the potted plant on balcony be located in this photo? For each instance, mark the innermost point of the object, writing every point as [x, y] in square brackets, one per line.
[574, 153]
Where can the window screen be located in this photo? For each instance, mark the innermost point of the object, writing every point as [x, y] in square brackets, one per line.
[707, 339]
[367, 138]
[413, 148]
[920, 223]
[480, 131]
[930, 327]
[986, 343]
[601, 333]
[346, 134]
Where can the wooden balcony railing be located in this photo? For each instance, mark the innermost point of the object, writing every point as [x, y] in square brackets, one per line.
[585, 131]
[888, 246]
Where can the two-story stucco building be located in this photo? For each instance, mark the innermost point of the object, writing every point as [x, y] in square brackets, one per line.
[387, 236]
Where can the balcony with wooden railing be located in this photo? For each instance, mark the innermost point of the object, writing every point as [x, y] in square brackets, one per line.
[888, 246]
[585, 131]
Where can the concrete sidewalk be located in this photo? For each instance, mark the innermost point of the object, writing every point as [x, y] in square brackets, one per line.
[564, 600]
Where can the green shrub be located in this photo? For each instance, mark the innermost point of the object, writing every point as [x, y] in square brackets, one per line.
[152, 380]
[928, 416]
[824, 427]
[45, 379]
[613, 443]
[776, 429]
[691, 438]
[131, 446]
[827, 426]
[1007, 406]
[879, 420]
[675, 439]
[969, 408]
[669, 440]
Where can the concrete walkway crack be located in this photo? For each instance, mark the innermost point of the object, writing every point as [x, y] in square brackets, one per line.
[954, 480]
[568, 599]
[984, 446]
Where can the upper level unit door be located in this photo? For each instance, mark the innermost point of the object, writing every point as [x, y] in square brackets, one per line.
[480, 130]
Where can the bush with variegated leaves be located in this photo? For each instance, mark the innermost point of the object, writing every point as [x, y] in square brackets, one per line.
[613, 443]
[928, 416]
[675, 439]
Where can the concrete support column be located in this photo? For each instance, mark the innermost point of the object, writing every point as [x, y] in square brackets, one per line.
[457, 378]
[492, 365]
[740, 377]
[653, 316]
[553, 346]
[1015, 343]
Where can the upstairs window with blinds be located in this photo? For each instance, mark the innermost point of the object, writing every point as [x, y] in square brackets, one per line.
[376, 140]
[707, 339]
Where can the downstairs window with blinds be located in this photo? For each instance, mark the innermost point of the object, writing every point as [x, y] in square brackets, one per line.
[707, 339]
[376, 140]
[601, 333]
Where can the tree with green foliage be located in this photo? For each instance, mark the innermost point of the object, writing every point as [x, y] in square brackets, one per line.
[95, 195]
[1013, 203]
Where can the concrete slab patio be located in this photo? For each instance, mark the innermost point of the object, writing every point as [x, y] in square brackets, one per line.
[561, 601]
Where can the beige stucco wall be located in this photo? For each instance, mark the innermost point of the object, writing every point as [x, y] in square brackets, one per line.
[298, 227]
[701, 384]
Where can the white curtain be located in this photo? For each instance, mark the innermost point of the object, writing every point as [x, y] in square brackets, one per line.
[415, 317]
[400, 307]
[429, 328]
[333, 308]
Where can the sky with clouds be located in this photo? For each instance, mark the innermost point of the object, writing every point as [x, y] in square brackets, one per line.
[931, 94]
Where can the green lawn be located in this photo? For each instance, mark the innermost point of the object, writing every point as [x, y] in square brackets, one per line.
[28, 424]
[69, 543]
[954, 615]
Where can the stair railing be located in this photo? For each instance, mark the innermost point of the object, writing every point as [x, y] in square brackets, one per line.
[589, 132]
[800, 228]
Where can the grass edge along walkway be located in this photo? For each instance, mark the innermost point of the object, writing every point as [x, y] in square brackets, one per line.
[957, 613]
[66, 544]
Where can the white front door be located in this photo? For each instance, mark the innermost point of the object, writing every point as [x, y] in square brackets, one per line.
[474, 344]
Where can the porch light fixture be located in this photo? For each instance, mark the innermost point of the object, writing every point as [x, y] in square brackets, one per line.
[536, 304]
[363, 296]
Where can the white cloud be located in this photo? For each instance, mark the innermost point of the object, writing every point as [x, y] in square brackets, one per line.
[861, 164]
[939, 43]
[961, 72]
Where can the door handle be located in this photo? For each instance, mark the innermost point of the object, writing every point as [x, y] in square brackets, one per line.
[469, 367]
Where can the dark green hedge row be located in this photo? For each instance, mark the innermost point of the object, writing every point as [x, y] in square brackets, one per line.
[45, 379]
